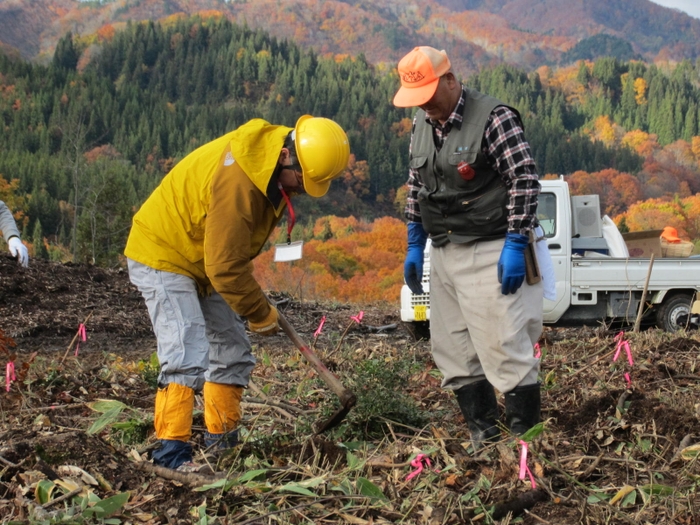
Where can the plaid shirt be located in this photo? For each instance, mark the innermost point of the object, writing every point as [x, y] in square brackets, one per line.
[508, 153]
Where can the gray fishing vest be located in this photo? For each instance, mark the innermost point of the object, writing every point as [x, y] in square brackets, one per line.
[462, 199]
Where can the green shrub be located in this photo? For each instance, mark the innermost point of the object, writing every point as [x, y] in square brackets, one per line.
[382, 394]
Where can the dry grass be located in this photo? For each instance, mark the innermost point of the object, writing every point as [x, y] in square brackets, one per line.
[608, 451]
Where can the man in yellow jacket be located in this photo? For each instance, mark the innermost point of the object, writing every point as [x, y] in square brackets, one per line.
[190, 254]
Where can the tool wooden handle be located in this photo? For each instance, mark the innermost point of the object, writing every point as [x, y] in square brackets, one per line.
[330, 379]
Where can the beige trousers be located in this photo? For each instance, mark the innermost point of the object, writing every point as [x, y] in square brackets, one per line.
[477, 332]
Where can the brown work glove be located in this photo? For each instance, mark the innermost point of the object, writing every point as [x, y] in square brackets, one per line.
[268, 325]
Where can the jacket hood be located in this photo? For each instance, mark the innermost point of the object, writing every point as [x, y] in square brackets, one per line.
[256, 146]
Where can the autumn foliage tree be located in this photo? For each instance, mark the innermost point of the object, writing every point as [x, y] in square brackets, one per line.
[663, 176]
[356, 178]
[691, 206]
[344, 260]
[617, 191]
[643, 143]
[656, 214]
[106, 33]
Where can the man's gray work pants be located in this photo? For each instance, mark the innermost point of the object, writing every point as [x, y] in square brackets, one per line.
[199, 338]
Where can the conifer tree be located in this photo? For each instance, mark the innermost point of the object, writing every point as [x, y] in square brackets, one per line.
[66, 55]
[40, 251]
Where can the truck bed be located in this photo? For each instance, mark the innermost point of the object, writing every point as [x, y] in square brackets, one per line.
[611, 274]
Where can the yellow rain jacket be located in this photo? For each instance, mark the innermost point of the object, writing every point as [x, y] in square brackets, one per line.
[211, 215]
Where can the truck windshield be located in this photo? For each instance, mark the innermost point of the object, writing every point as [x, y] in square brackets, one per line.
[547, 213]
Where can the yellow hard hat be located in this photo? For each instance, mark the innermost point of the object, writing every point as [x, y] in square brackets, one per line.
[323, 151]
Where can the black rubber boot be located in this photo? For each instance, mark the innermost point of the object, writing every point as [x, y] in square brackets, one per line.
[523, 408]
[477, 402]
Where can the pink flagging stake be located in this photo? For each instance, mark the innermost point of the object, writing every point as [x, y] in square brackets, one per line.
[538, 352]
[417, 463]
[621, 343]
[9, 375]
[524, 469]
[82, 336]
[358, 318]
[320, 327]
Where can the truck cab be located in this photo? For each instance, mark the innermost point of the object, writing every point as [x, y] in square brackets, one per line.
[552, 213]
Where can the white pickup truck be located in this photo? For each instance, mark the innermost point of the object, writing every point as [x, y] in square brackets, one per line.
[592, 287]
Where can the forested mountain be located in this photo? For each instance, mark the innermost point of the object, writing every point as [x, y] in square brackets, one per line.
[87, 136]
[477, 33]
[652, 30]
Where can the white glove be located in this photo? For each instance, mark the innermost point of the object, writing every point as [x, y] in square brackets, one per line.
[18, 249]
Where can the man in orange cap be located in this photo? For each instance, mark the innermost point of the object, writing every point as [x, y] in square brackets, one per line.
[473, 189]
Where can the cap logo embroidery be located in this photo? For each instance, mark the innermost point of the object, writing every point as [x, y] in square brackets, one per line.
[413, 76]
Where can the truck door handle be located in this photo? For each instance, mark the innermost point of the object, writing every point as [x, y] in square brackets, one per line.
[554, 246]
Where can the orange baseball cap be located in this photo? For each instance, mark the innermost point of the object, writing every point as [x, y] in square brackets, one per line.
[420, 72]
[670, 234]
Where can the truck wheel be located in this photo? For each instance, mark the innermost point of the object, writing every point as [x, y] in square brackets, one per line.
[671, 309]
[420, 330]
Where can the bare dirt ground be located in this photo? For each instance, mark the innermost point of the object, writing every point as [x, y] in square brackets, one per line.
[76, 430]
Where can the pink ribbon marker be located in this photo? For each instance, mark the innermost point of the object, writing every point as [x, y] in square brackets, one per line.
[357, 318]
[320, 327]
[628, 379]
[621, 343]
[524, 469]
[538, 352]
[9, 375]
[418, 464]
[81, 336]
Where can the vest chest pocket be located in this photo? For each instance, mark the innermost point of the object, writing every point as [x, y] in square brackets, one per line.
[420, 165]
[468, 166]
[458, 157]
[474, 158]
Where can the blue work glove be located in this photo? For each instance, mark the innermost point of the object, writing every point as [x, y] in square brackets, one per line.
[413, 266]
[511, 265]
